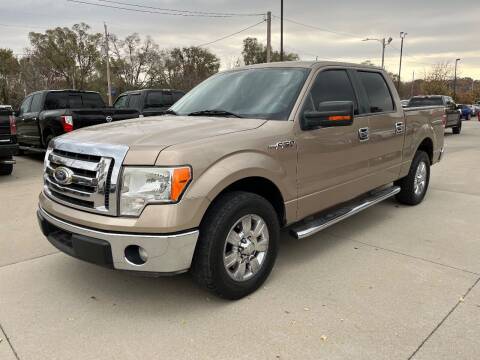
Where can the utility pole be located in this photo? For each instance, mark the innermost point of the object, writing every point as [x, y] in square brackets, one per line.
[269, 36]
[455, 80]
[109, 84]
[413, 85]
[281, 30]
[385, 43]
[402, 36]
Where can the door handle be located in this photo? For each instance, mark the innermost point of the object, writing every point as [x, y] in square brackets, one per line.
[364, 134]
[399, 127]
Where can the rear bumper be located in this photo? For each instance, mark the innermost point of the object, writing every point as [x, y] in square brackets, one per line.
[167, 254]
[8, 151]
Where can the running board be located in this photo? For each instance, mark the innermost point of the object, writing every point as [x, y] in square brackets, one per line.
[305, 229]
[32, 149]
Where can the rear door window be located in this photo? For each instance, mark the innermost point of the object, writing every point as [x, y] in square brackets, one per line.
[55, 100]
[379, 97]
[159, 99]
[92, 101]
[75, 101]
[177, 95]
[330, 85]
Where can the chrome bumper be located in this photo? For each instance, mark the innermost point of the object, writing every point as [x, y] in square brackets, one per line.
[166, 253]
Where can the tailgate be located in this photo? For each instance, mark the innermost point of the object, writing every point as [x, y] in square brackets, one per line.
[5, 135]
[88, 117]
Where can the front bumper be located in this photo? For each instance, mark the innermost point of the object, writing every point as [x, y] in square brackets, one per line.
[166, 253]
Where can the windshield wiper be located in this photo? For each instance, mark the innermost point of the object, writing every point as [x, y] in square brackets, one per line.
[170, 112]
[214, 113]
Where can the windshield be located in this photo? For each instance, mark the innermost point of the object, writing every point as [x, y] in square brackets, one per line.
[266, 93]
[425, 101]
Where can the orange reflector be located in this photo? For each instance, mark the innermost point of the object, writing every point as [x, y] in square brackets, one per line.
[339, 117]
[180, 179]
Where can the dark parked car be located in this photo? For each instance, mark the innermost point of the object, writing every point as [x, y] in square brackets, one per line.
[451, 118]
[46, 114]
[8, 140]
[466, 110]
[148, 102]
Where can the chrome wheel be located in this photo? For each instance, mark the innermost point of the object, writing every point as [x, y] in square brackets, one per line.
[246, 247]
[420, 180]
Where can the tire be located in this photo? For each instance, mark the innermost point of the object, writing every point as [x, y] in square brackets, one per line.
[410, 194]
[6, 169]
[47, 140]
[213, 251]
[457, 129]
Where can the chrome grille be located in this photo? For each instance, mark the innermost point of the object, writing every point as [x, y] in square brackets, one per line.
[92, 175]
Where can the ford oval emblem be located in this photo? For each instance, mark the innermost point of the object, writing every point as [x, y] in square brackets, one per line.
[63, 175]
[109, 119]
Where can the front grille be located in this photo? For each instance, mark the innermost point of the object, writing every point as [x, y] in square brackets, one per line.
[84, 181]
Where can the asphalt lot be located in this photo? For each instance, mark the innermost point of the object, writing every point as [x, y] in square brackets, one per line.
[393, 282]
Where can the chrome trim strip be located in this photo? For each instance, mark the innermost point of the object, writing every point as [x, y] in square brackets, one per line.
[74, 163]
[319, 224]
[166, 253]
[77, 194]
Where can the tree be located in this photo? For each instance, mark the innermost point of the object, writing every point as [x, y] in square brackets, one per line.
[437, 81]
[9, 68]
[255, 52]
[65, 57]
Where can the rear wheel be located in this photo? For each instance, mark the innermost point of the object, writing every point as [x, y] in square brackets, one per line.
[415, 185]
[237, 247]
[6, 169]
[457, 128]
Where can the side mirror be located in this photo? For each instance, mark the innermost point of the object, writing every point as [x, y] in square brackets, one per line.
[329, 113]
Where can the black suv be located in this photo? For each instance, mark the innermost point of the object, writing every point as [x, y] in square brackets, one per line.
[149, 102]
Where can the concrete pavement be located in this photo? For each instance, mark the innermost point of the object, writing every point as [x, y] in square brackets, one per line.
[393, 282]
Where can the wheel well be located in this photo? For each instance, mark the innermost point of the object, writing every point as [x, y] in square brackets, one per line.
[427, 146]
[45, 133]
[262, 187]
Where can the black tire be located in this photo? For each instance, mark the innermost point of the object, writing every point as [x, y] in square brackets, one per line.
[208, 267]
[407, 195]
[47, 139]
[6, 169]
[458, 128]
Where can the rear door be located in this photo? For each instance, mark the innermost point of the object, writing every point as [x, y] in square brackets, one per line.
[453, 113]
[332, 161]
[30, 120]
[22, 134]
[386, 126]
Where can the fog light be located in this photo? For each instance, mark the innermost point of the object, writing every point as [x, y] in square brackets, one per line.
[136, 255]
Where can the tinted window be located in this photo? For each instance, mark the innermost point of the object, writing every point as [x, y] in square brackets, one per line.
[75, 101]
[55, 100]
[425, 101]
[330, 85]
[92, 100]
[177, 95]
[25, 105]
[135, 102]
[159, 99]
[121, 102]
[377, 91]
[36, 103]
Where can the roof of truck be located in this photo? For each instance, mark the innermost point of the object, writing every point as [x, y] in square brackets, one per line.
[309, 65]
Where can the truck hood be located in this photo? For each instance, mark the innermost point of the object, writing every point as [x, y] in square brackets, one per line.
[149, 136]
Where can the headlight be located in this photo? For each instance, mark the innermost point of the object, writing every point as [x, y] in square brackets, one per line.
[142, 186]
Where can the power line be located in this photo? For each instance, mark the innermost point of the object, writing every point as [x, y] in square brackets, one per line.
[233, 34]
[145, 11]
[179, 11]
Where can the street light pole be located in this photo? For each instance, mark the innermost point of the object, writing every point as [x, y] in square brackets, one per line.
[269, 36]
[281, 30]
[109, 83]
[455, 80]
[402, 36]
[384, 43]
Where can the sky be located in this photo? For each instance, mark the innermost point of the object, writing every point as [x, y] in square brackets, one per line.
[438, 31]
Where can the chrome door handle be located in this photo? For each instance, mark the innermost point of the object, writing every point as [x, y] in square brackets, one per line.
[399, 127]
[363, 134]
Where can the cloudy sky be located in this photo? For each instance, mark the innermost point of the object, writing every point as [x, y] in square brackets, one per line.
[438, 30]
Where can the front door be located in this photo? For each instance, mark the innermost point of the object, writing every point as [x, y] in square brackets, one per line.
[333, 161]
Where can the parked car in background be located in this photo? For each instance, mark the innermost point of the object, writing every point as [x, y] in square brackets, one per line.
[466, 111]
[475, 109]
[249, 151]
[46, 114]
[148, 102]
[8, 139]
[452, 117]
[404, 102]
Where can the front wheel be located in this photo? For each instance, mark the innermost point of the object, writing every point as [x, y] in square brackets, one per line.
[415, 185]
[238, 244]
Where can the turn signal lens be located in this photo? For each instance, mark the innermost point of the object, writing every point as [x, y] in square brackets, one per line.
[13, 125]
[339, 118]
[180, 179]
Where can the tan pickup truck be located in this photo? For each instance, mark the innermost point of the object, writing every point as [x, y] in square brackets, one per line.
[208, 187]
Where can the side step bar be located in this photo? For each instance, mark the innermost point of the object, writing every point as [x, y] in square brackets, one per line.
[305, 229]
[32, 149]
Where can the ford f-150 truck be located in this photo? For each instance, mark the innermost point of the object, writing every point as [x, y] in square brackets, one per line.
[46, 114]
[452, 116]
[8, 139]
[209, 186]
